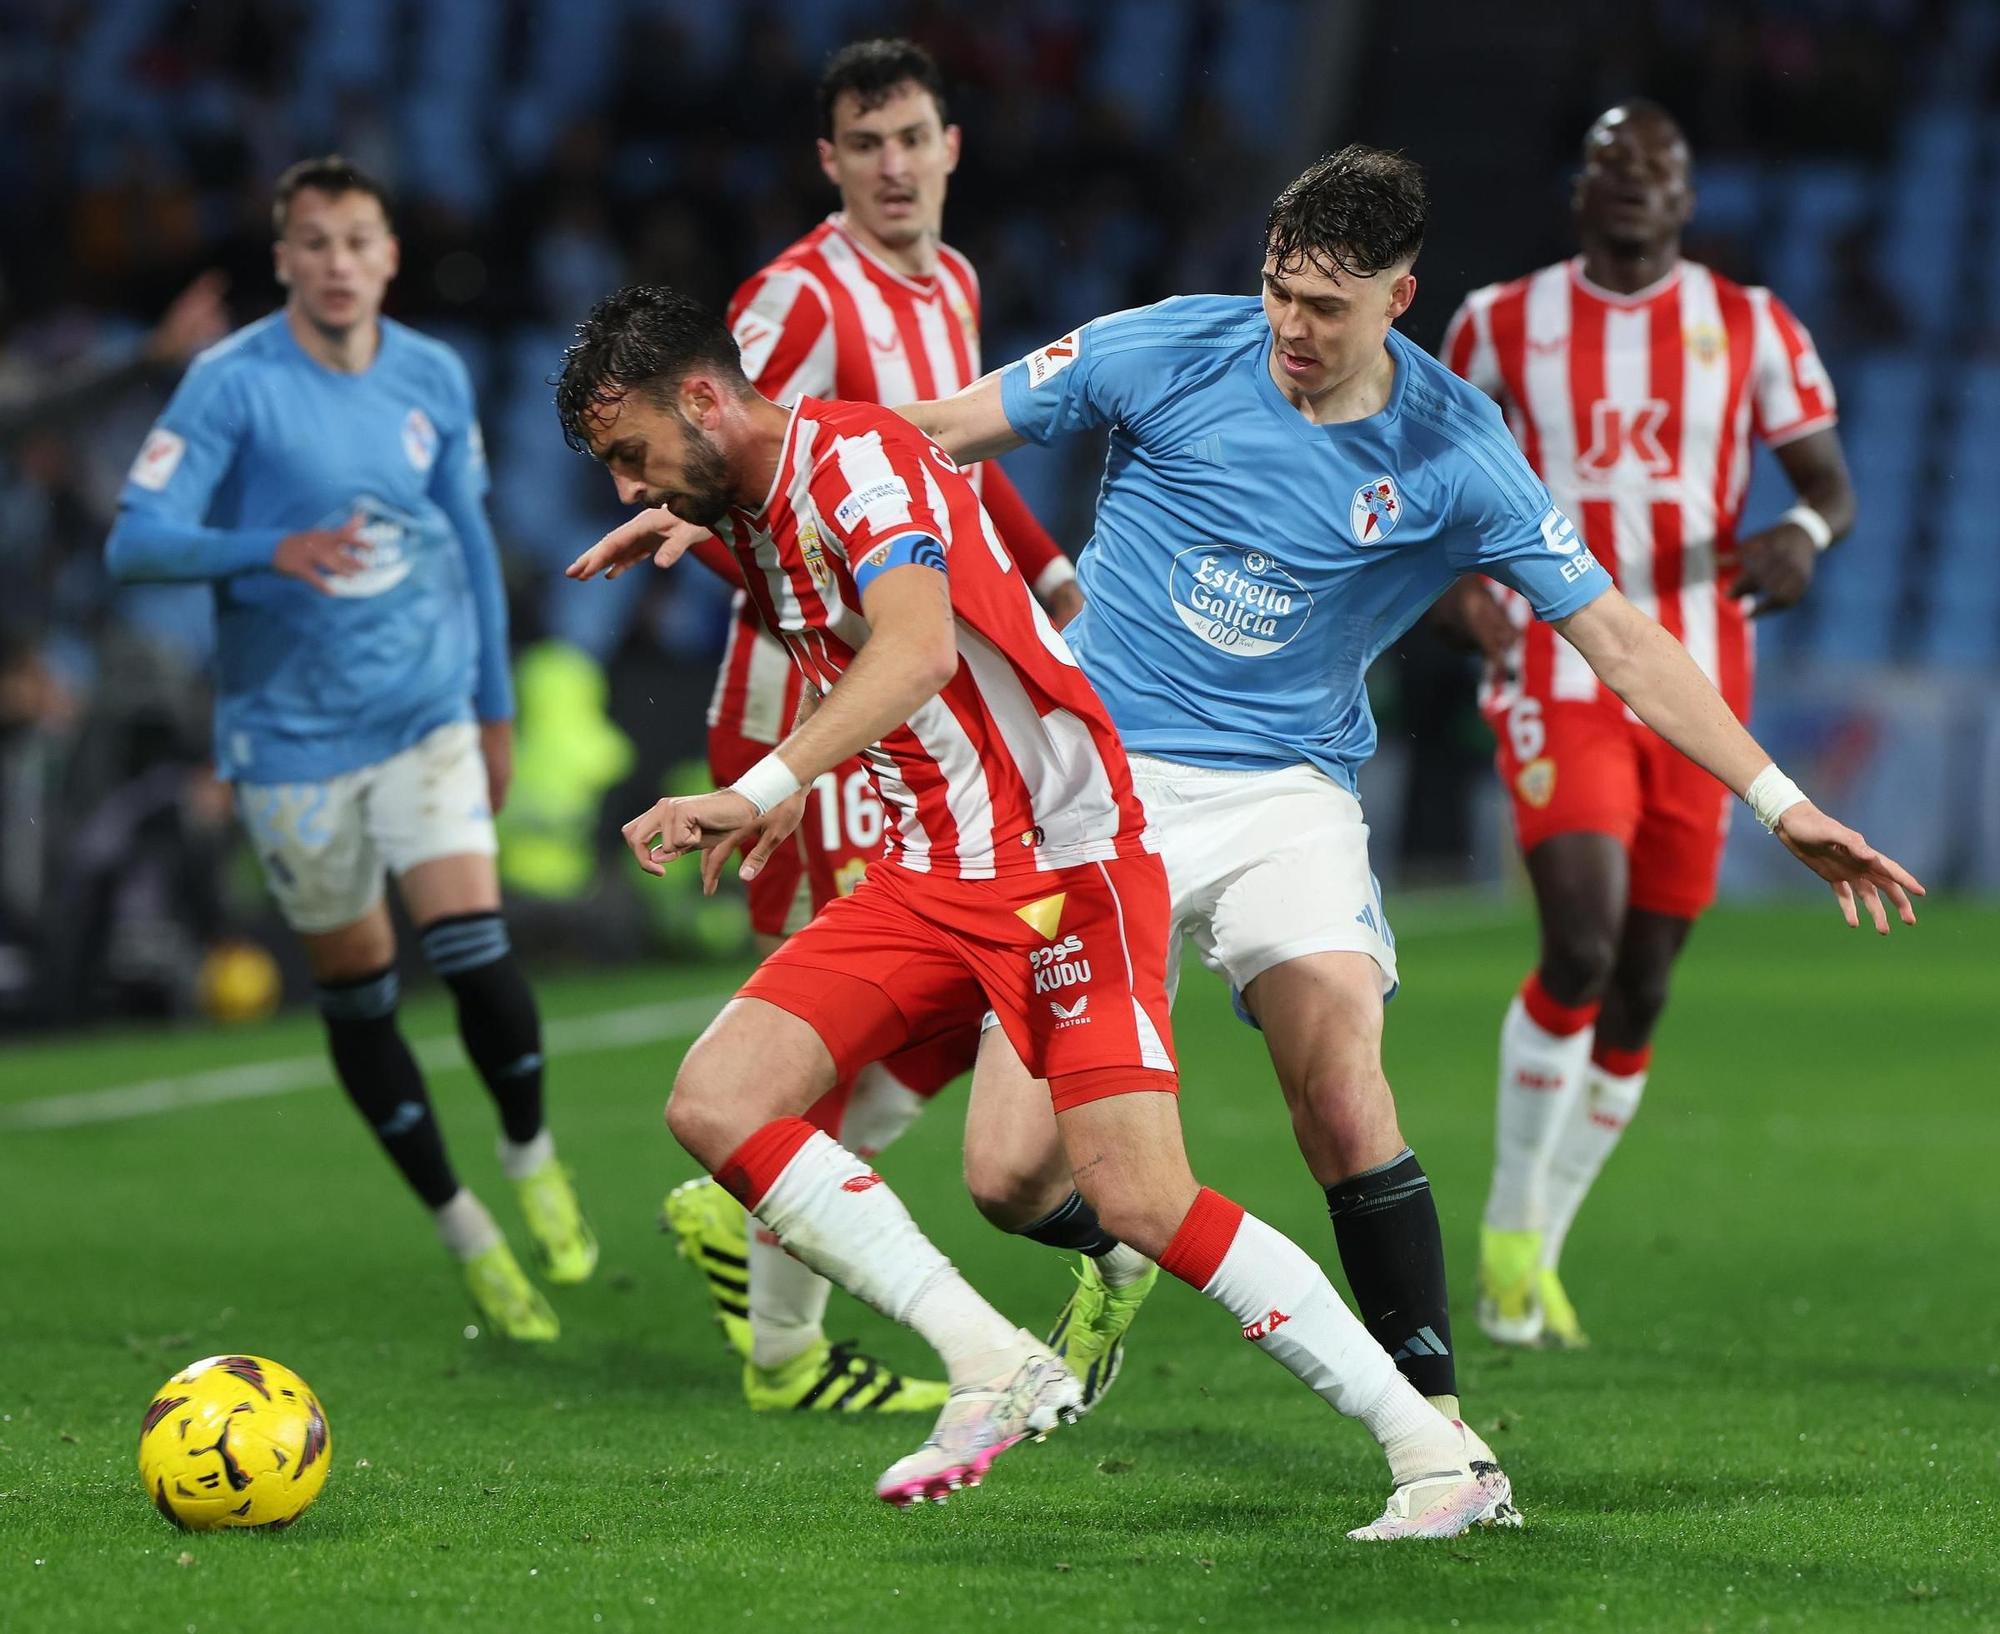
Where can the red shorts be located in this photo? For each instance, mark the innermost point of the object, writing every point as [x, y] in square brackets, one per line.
[1073, 963]
[1573, 767]
[840, 835]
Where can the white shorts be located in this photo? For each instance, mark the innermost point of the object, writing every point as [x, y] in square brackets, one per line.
[327, 847]
[1264, 867]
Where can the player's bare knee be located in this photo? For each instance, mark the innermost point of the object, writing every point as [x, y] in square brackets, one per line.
[688, 1118]
[1577, 961]
[1641, 999]
[699, 1109]
[1346, 1120]
[1010, 1195]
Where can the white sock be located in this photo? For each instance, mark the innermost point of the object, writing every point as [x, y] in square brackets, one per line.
[862, 1237]
[1284, 1303]
[1122, 1267]
[788, 1299]
[977, 1343]
[787, 1302]
[1541, 1080]
[880, 1108]
[1602, 1111]
[532, 1155]
[464, 1225]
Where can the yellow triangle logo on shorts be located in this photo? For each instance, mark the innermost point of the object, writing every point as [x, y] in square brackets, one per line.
[1044, 916]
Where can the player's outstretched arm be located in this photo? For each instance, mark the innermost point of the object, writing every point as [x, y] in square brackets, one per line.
[971, 425]
[1666, 689]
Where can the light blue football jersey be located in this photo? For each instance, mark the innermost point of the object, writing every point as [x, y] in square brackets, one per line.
[261, 441]
[1248, 566]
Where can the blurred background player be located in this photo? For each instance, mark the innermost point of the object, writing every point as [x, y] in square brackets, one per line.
[870, 306]
[322, 470]
[1634, 381]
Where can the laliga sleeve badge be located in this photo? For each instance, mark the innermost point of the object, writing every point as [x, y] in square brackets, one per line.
[158, 460]
[1536, 782]
[1052, 359]
[1376, 510]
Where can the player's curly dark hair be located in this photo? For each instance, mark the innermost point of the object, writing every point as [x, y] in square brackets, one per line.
[873, 70]
[644, 338]
[1359, 211]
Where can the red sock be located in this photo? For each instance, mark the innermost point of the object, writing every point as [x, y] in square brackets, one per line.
[753, 1168]
[1621, 1063]
[1560, 1019]
[1203, 1239]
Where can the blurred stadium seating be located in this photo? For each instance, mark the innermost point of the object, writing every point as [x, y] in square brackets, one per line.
[543, 151]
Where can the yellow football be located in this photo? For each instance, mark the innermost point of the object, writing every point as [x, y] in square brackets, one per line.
[234, 1441]
[239, 981]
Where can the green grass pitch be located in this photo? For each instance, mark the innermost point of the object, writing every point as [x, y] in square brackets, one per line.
[1791, 1418]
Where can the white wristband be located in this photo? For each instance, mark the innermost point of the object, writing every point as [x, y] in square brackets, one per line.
[1811, 523]
[1058, 573]
[1771, 794]
[768, 783]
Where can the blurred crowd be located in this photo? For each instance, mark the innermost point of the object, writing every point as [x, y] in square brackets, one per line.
[541, 153]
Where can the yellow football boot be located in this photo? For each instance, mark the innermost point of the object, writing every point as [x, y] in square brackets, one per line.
[711, 1233]
[838, 1379]
[1089, 1334]
[1510, 1306]
[1560, 1328]
[512, 1305]
[563, 1238]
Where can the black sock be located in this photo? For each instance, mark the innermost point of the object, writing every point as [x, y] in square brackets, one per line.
[382, 1080]
[1386, 1224]
[497, 1018]
[1072, 1224]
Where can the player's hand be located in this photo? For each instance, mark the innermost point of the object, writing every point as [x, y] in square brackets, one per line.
[321, 555]
[1468, 618]
[657, 533]
[762, 835]
[496, 748]
[1775, 567]
[1850, 865]
[674, 827]
[197, 318]
[1063, 603]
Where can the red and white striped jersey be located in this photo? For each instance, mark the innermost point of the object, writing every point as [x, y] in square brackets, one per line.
[828, 319]
[1637, 411]
[1015, 766]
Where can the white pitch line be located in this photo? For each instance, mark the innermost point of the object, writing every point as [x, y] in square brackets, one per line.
[255, 1080]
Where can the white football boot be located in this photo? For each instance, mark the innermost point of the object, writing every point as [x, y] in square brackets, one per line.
[979, 1423]
[1449, 1501]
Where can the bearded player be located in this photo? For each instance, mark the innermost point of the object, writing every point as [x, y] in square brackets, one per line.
[870, 306]
[1020, 866]
[1634, 381]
